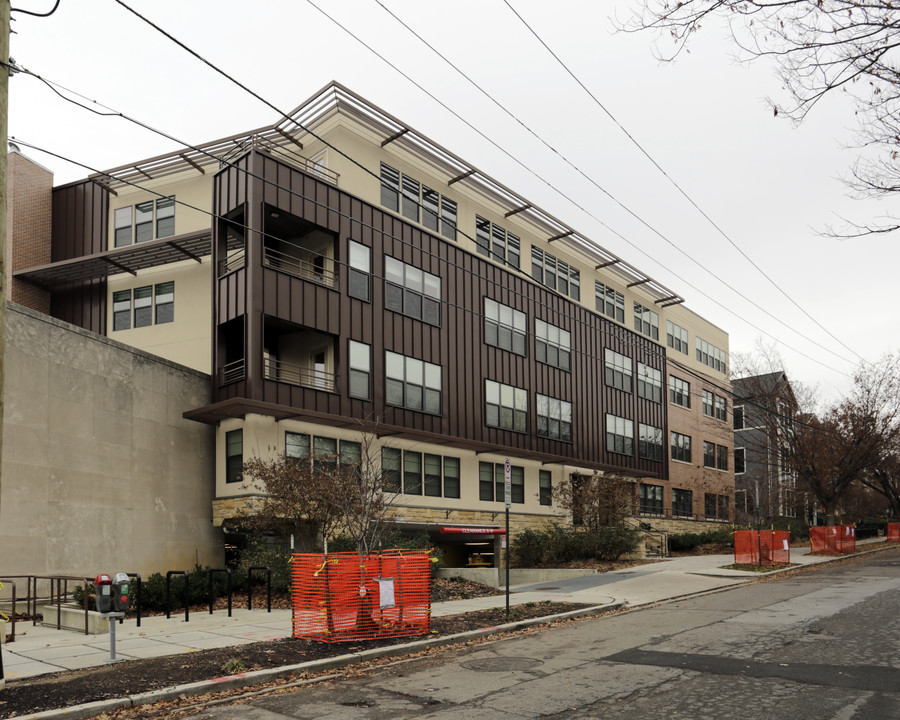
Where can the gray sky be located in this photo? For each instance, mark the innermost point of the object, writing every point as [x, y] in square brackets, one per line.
[769, 185]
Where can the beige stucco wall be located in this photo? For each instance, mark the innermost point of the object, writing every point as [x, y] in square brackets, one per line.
[100, 471]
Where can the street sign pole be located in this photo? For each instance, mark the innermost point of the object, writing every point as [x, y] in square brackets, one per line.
[507, 492]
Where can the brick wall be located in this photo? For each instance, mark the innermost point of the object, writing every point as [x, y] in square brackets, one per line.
[28, 228]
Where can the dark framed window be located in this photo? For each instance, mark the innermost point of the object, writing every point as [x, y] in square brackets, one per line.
[350, 454]
[497, 243]
[143, 221]
[609, 302]
[677, 338]
[709, 506]
[682, 502]
[122, 310]
[325, 453]
[651, 499]
[359, 276]
[619, 435]
[419, 203]
[555, 274]
[360, 370]
[721, 457]
[740, 461]
[554, 418]
[432, 470]
[410, 191]
[545, 487]
[706, 398]
[411, 291]
[123, 226]
[552, 345]
[681, 447]
[390, 470]
[165, 302]
[650, 442]
[618, 370]
[412, 383]
[451, 477]
[679, 392]
[491, 481]
[721, 408]
[506, 406]
[297, 445]
[416, 473]
[646, 322]
[709, 454]
[143, 306]
[234, 455]
[711, 356]
[649, 383]
[505, 327]
[412, 473]
[165, 217]
[390, 188]
[737, 415]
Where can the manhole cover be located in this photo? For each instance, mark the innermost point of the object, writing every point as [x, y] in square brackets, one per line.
[547, 587]
[502, 664]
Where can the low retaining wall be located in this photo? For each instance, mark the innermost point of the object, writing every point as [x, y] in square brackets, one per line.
[71, 617]
[496, 577]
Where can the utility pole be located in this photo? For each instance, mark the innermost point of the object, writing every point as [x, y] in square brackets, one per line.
[4, 105]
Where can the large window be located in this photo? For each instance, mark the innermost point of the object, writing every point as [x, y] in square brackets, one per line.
[716, 506]
[506, 406]
[649, 384]
[721, 457]
[706, 398]
[677, 337]
[419, 203]
[412, 291]
[164, 299]
[504, 327]
[144, 221]
[711, 356]
[553, 345]
[646, 321]
[650, 442]
[151, 305]
[416, 473]
[545, 490]
[359, 271]
[682, 503]
[554, 418]
[609, 302]
[234, 455]
[122, 310]
[681, 447]
[555, 274]
[360, 371]
[497, 243]
[491, 481]
[740, 461]
[651, 499]
[619, 435]
[709, 454]
[737, 415]
[618, 370]
[679, 392]
[721, 408]
[412, 383]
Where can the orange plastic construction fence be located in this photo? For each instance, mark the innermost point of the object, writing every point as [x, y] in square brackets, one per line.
[893, 532]
[835, 540]
[764, 547]
[345, 596]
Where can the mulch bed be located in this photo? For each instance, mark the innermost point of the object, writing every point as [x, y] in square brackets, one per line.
[59, 690]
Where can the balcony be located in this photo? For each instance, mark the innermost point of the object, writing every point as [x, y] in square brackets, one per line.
[312, 267]
[285, 372]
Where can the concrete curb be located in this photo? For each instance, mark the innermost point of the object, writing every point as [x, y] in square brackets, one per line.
[231, 682]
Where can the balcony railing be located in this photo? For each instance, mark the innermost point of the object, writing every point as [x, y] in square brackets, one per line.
[304, 269]
[231, 372]
[299, 375]
[234, 261]
[257, 142]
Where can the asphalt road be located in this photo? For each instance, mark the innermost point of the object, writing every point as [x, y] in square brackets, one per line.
[820, 645]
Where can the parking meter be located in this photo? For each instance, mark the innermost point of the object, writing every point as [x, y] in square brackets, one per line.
[103, 593]
[120, 592]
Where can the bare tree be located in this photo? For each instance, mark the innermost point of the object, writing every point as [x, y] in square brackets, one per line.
[885, 480]
[820, 47]
[597, 500]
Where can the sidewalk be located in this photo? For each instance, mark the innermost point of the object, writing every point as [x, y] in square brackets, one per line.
[38, 650]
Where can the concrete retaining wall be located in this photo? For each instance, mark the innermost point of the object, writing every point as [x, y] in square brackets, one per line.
[496, 577]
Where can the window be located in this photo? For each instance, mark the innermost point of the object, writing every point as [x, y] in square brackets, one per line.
[122, 310]
[555, 274]
[681, 447]
[721, 409]
[412, 473]
[143, 306]
[619, 435]
[390, 466]
[234, 455]
[350, 454]
[651, 499]
[495, 242]
[420, 203]
[325, 454]
[618, 370]
[740, 461]
[491, 477]
[716, 506]
[709, 454]
[554, 418]
[721, 457]
[358, 274]
[432, 475]
[412, 384]
[451, 477]
[711, 356]
[504, 327]
[650, 442]
[545, 489]
[411, 291]
[552, 345]
[676, 337]
[679, 392]
[296, 445]
[649, 384]
[707, 400]
[165, 302]
[682, 502]
[144, 221]
[609, 302]
[737, 415]
[646, 321]
[709, 505]
[360, 371]
[506, 406]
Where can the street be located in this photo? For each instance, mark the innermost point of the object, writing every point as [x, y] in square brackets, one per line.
[821, 644]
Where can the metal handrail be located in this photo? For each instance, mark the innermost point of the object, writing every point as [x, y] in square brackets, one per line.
[231, 372]
[234, 261]
[259, 142]
[292, 374]
[298, 267]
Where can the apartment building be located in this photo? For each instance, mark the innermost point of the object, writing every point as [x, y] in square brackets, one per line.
[339, 273]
